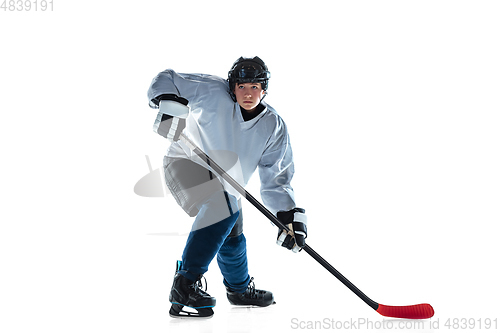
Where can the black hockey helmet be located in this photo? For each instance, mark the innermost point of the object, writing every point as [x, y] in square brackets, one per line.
[248, 70]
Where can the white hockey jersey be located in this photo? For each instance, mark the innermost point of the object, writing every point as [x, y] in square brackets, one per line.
[216, 125]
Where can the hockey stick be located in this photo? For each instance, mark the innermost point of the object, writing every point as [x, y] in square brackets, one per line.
[418, 311]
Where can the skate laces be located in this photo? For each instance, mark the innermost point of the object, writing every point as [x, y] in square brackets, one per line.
[199, 286]
[252, 292]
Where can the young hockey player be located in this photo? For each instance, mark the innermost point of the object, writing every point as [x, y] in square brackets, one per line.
[229, 121]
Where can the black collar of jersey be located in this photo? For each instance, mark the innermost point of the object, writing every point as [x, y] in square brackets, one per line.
[250, 115]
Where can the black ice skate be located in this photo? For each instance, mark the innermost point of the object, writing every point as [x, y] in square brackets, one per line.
[251, 296]
[188, 293]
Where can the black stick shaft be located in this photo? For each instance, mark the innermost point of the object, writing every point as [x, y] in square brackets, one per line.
[339, 276]
[276, 222]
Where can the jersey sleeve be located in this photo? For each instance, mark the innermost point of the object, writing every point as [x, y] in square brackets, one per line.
[167, 82]
[200, 90]
[193, 87]
[276, 170]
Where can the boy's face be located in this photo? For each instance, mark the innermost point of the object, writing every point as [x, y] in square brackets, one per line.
[248, 95]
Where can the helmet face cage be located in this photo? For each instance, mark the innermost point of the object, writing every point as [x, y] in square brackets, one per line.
[248, 70]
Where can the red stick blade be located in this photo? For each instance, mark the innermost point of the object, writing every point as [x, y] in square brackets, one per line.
[419, 311]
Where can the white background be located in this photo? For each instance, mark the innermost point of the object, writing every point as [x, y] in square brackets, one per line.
[393, 109]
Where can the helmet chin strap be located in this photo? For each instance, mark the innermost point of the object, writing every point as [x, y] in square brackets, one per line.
[265, 94]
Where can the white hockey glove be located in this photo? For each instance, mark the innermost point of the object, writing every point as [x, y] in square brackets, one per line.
[174, 108]
[296, 221]
[171, 119]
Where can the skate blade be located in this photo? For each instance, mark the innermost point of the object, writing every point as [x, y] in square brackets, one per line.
[236, 305]
[251, 305]
[184, 312]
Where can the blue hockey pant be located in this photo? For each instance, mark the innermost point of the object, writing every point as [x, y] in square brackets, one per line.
[209, 238]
